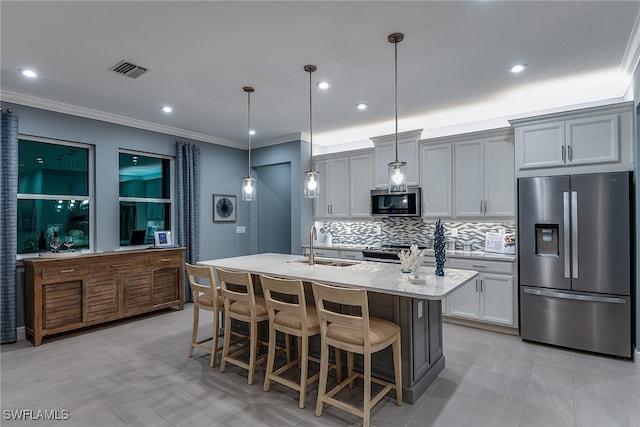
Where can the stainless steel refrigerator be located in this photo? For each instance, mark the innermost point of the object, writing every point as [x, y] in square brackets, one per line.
[575, 252]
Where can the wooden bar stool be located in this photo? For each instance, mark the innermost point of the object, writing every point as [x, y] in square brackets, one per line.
[205, 297]
[354, 333]
[241, 304]
[289, 314]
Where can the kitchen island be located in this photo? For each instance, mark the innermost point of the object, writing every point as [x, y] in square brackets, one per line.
[415, 308]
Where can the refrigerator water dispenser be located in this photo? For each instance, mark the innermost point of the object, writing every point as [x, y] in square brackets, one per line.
[547, 242]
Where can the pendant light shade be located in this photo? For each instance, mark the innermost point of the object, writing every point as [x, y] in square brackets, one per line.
[249, 183]
[397, 169]
[311, 177]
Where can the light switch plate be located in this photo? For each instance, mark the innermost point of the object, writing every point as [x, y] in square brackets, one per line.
[240, 229]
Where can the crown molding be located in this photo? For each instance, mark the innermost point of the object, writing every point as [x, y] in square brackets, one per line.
[59, 107]
[632, 52]
[301, 136]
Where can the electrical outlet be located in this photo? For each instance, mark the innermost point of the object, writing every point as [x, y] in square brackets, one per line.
[378, 230]
[348, 230]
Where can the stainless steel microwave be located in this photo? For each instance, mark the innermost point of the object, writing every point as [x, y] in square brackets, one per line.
[384, 203]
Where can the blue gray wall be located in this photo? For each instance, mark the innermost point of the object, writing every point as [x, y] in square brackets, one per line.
[297, 154]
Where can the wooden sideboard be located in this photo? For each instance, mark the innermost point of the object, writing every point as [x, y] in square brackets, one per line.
[67, 293]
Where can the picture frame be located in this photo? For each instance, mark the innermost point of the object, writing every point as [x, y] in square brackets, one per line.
[162, 239]
[224, 208]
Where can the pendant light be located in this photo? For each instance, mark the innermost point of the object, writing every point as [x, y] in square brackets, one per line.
[311, 177]
[397, 169]
[249, 183]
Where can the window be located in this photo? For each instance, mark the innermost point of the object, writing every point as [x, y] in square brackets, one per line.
[145, 199]
[54, 193]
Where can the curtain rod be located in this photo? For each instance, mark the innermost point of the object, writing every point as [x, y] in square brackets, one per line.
[8, 110]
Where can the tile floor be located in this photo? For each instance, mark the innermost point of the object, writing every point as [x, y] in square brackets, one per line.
[138, 373]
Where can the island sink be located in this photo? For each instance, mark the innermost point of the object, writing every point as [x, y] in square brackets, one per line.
[329, 262]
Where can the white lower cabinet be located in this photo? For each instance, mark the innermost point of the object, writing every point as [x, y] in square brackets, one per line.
[489, 298]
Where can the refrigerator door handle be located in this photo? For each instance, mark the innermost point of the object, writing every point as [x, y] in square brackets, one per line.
[574, 234]
[578, 297]
[567, 234]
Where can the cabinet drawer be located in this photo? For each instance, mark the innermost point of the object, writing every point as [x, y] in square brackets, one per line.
[326, 253]
[63, 272]
[119, 264]
[165, 260]
[504, 267]
[351, 255]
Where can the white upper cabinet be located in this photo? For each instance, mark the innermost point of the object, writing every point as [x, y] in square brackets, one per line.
[595, 139]
[469, 175]
[345, 185]
[484, 176]
[385, 153]
[360, 184]
[469, 181]
[437, 181]
[333, 199]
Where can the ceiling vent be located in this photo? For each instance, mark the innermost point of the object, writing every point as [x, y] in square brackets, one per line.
[128, 69]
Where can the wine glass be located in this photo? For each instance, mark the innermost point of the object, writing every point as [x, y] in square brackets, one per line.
[55, 244]
[68, 242]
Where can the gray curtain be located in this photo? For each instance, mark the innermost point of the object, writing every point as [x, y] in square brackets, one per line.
[8, 224]
[188, 187]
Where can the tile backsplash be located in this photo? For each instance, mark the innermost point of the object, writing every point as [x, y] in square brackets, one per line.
[407, 231]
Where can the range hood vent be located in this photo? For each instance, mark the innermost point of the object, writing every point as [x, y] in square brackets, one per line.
[128, 69]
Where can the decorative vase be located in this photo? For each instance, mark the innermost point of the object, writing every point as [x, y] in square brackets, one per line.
[439, 249]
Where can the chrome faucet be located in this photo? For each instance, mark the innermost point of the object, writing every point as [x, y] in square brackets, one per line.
[313, 234]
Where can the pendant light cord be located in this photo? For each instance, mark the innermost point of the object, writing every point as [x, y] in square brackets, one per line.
[310, 69]
[249, 130]
[310, 121]
[395, 46]
[249, 89]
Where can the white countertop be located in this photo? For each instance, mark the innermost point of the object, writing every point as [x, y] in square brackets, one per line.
[450, 254]
[374, 276]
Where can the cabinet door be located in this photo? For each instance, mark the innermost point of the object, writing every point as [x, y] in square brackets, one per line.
[499, 178]
[339, 195]
[496, 302]
[360, 184]
[436, 181]
[321, 204]
[62, 304]
[165, 286]
[100, 297]
[540, 146]
[593, 140]
[137, 292]
[385, 153]
[464, 302]
[469, 187]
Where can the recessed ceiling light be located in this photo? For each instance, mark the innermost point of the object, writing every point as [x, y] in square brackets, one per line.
[323, 85]
[361, 106]
[28, 73]
[252, 132]
[167, 109]
[518, 68]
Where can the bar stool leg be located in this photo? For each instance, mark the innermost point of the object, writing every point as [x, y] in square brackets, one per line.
[303, 347]
[214, 343]
[271, 355]
[397, 368]
[194, 332]
[367, 390]
[324, 368]
[227, 340]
